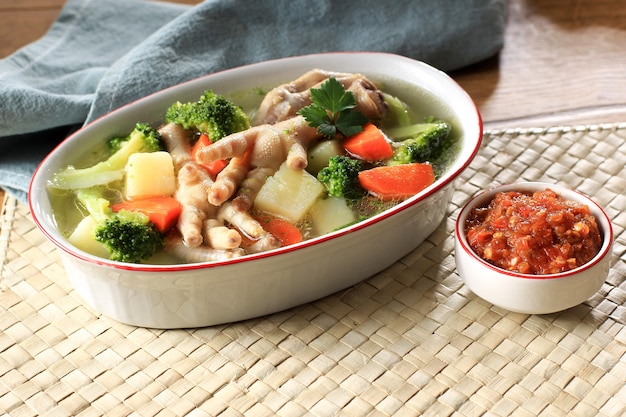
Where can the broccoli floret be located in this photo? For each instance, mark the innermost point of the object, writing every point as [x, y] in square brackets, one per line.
[341, 177]
[397, 111]
[143, 138]
[419, 142]
[115, 144]
[128, 236]
[213, 115]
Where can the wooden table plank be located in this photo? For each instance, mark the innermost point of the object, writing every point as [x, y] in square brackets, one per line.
[23, 26]
[563, 62]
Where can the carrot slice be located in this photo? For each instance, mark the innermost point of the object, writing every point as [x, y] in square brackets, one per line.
[162, 211]
[282, 229]
[397, 181]
[370, 144]
[214, 167]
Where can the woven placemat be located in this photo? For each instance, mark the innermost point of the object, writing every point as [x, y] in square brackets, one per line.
[411, 340]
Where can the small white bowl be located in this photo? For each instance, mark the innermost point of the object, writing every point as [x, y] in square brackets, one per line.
[202, 294]
[525, 293]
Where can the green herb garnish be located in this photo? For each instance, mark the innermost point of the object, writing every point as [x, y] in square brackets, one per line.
[332, 110]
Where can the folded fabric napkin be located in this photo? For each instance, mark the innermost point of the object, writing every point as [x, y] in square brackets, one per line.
[102, 54]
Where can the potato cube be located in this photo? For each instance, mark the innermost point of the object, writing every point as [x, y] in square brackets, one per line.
[83, 237]
[329, 214]
[320, 153]
[150, 175]
[288, 193]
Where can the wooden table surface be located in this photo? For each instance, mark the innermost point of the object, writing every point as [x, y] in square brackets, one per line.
[563, 61]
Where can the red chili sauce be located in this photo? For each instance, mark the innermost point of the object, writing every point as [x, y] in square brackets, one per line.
[540, 233]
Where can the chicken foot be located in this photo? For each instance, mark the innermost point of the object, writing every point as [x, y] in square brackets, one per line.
[250, 187]
[228, 180]
[177, 142]
[268, 146]
[219, 236]
[192, 192]
[249, 226]
[284, 101]
[175, 245]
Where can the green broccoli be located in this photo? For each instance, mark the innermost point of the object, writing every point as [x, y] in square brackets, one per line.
[397, 111]
[419, 142]
[213, 115]
[128, 236]
[341, 177]
[115, 144]
[143, 138]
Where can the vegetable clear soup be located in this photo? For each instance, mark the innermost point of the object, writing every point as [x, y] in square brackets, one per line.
[326, 213]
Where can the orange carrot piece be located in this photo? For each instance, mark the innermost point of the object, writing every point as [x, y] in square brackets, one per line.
[282, 229]
[214, 167]
[203, 140]
[397, 181]
[162, 211]
[370, 144]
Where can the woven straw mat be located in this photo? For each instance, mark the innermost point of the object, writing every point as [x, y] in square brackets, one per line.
[411, 340]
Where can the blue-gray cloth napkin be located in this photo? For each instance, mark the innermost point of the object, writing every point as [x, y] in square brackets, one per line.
[101, 54]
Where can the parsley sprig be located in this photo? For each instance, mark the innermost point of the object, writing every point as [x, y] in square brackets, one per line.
[333, 110]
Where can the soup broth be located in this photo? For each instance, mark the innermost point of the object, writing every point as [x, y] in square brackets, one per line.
[421, 103]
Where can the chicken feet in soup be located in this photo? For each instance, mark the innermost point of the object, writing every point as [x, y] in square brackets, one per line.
[286, 100]
[275, 183]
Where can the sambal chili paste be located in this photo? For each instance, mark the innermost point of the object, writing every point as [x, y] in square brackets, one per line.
[540, 233]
